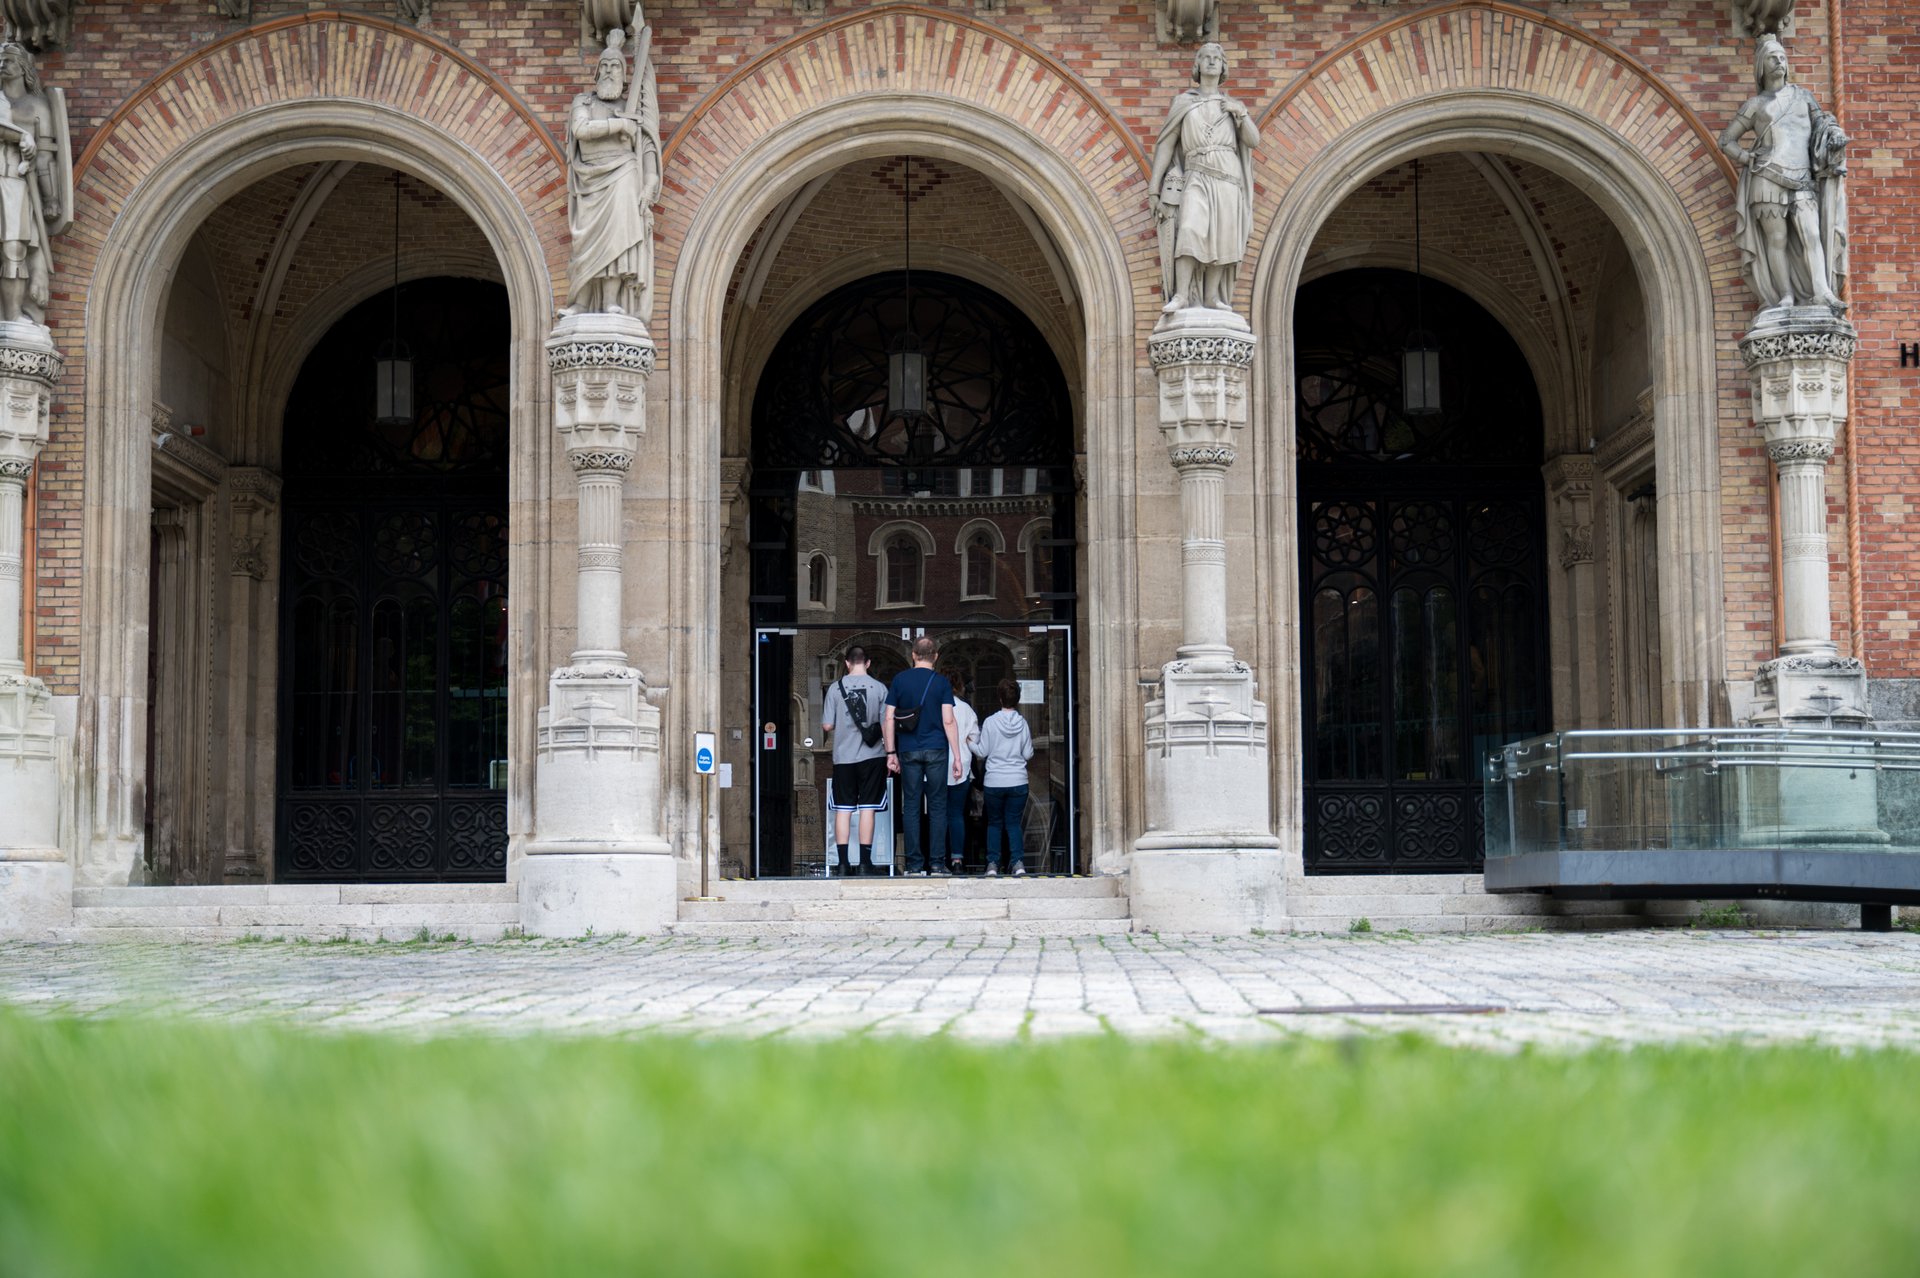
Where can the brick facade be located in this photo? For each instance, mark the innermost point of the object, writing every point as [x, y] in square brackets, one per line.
[1091, 82]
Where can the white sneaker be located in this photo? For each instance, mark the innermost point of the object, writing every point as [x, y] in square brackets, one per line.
[993, 871]
[1019, 869]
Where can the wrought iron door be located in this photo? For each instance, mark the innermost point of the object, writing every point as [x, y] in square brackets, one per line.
[1422, 546]
[394, 603]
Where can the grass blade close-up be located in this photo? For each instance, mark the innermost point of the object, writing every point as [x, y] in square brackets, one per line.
[160, 1148]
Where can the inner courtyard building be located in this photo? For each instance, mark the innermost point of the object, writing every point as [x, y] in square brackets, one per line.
[459, 445]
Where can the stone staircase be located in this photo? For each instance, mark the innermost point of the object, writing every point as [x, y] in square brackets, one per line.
[1033, 906]
[288, 911]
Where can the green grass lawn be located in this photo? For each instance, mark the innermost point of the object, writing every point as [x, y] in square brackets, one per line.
[161, 1148]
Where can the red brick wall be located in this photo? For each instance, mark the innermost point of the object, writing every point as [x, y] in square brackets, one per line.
[1880, 104]
[1109, 51]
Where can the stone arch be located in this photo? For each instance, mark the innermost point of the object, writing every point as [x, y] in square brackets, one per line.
[1483, 76]
[325, 86]
[1059, 153]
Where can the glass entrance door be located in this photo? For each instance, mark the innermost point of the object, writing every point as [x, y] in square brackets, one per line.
[794, 668]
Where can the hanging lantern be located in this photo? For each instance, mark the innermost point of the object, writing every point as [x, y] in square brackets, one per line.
[907, 381]
[1420, 362]
[1420, 375]
[393, 385]
[393, 362]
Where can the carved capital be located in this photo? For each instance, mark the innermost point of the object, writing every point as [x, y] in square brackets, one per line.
[1786, 451]
[1202, 455]
[1234, 350]
[1829, 341]
[612, 460]
[16, 468]
[1576, 545]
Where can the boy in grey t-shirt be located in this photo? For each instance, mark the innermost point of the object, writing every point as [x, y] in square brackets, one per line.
[859, 769]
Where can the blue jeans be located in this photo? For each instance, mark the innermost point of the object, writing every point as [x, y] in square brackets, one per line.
[1006, 805]
[923, 772]
[957, 820]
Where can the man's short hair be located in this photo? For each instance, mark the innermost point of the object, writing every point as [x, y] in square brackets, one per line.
[925, 649]
[857, 656]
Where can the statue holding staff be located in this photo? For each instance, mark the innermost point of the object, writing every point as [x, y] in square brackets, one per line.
[36, 184]
[1202, 189]
[1791, 204]
[613, 179]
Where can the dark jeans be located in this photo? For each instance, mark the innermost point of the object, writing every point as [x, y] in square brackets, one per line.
[957, 820]
[923, 772]
[1006, 805]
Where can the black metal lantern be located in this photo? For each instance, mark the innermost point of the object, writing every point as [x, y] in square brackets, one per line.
[393, 362]
[1420, 361]
[906, 362]
[907, 381]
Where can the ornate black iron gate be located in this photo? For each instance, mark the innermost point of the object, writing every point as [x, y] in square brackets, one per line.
[1423, 595]
[393, 670]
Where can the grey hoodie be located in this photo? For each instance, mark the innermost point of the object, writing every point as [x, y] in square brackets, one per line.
[1006, 744]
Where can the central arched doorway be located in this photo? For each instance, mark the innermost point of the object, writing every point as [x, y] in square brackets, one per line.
[1422, 539]
[393, 648]
[874, 530]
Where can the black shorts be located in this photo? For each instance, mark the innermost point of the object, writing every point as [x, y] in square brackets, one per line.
[860, 785]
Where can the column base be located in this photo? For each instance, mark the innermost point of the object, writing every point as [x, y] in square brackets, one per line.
[1218, 890]
[1816, 690]
[575, 894]
[36, 897]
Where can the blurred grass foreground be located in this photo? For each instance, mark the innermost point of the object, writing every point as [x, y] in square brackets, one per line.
[167, 1148]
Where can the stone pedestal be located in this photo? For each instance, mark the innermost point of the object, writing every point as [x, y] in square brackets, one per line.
[1209, 861]
[597, 861]
[36, 883]
[1799, 360]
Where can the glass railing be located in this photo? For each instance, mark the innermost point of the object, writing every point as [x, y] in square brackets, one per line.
[1705, 789]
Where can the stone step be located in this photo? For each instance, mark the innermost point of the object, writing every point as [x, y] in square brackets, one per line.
[880, 909]
[174, 935]
[931, 929]
[220, 894]
[1317, 885]
[967, 888]
[322, 918]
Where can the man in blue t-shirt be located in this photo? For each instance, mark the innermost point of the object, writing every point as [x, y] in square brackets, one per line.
[923, 748]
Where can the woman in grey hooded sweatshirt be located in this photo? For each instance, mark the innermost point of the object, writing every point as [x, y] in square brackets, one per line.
[1006, 743]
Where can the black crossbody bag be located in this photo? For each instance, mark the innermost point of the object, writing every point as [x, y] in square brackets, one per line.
[856, 711]
[909, 720]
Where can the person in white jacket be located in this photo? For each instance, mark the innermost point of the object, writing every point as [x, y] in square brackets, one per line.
[1006, 743]
[966, 725]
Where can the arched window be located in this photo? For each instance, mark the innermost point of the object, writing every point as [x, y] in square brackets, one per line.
[903, 571]
[819, 580]
[978, 575]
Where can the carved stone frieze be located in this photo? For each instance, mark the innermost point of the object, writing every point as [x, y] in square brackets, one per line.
[1231, 349]
[565, 356]
[1766, 346]
[601, 459]
[1794, 450]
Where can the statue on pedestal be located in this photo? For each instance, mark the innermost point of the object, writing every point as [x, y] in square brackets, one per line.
[613, 179]
[36, 184]
[1791, 204]
[1203, 189]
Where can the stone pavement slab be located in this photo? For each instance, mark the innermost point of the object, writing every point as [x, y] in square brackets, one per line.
[1564, 990]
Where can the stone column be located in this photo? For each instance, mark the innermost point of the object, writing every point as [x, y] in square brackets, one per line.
[36, 881]
[1209, 861]
[597, 861]
[1799, 358]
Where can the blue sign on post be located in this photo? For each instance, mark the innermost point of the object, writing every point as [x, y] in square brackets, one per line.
[703, 753]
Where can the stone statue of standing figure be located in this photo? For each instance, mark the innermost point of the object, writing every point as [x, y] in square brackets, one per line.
[1203, 189]
[36, 184]
[1791, 204]
[613, 179]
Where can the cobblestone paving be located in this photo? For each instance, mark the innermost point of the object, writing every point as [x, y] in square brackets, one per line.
[1564, 990]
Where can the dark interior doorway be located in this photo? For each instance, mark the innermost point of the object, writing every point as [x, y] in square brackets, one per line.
[873, 530]
[1423, 547]
[393, 648]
